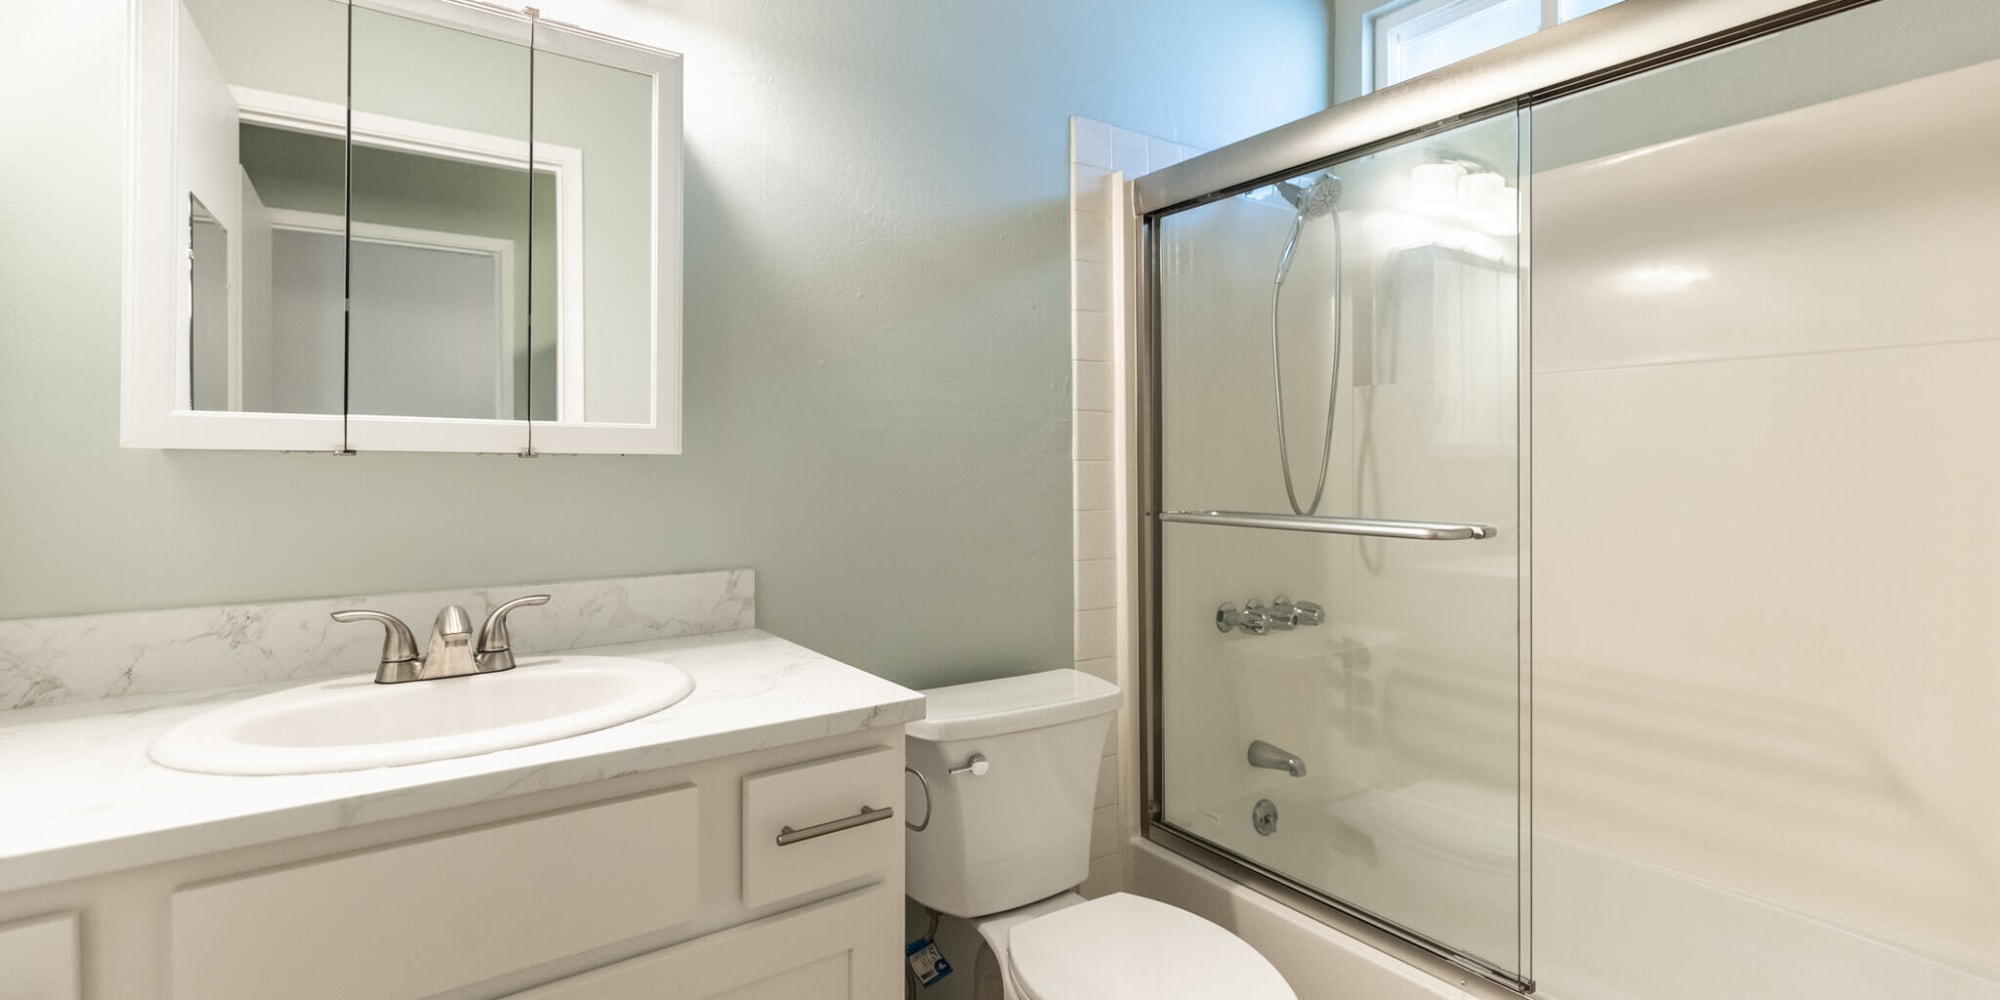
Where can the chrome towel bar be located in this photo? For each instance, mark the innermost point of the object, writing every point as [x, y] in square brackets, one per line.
[1424, 531]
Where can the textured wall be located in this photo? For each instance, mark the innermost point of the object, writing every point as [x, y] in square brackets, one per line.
[877, 335]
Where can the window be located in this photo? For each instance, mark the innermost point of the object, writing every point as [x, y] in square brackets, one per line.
[1409, 38]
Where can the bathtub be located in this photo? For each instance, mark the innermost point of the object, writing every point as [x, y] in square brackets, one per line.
[1440, 858]
[1605, 927]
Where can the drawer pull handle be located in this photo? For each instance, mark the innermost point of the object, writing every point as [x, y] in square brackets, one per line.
[788, 836]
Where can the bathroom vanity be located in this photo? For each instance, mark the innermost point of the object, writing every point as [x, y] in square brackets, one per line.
[734, 845]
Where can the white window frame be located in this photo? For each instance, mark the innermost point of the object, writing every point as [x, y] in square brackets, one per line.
[1381, 25]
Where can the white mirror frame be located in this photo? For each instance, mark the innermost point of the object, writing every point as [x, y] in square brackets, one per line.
[155, 409]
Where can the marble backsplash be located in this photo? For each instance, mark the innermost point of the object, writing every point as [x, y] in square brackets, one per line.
[46, 661]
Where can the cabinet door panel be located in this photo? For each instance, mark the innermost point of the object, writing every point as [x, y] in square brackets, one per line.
[38, 960]
[413, 920]
[845, 947]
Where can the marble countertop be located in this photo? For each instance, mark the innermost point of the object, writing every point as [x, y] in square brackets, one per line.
[81, 797]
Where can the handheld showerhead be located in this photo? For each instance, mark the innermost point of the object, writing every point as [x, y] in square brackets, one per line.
[1291, 246]
[1319, 198]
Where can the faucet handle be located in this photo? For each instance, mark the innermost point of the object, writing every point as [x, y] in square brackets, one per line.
[1251, 619]
[1279, 617]
[1295, 614]
[399, 647]
[1257, 620]
[493, 634]
[495, 648]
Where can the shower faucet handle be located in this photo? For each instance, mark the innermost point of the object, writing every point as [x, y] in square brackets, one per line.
[1251, 619]
[1294, 614]
[1275, 618]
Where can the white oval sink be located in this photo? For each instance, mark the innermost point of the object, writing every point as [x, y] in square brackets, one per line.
[353, 723]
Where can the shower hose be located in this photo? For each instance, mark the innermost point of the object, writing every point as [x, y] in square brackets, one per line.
[1278, 373]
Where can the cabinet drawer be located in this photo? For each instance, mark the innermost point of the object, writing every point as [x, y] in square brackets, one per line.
[416, 919]
[820, 802]
[38, 959]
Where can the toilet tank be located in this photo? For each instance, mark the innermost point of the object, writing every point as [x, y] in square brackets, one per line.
[1020, 832]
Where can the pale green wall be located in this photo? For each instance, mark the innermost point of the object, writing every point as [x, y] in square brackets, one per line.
[313, 66]
[877, 335]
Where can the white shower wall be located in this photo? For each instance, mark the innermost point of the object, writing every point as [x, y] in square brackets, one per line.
[1766, 560]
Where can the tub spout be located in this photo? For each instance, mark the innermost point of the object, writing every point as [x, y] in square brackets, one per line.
[1263, 754]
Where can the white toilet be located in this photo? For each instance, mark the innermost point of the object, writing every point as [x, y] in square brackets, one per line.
[1009, 768]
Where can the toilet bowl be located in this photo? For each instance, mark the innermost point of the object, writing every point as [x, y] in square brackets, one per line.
[1006, 775]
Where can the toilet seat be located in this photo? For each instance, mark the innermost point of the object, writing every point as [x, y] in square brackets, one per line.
[1122, 945]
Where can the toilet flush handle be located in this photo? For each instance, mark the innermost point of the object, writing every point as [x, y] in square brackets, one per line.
[975, 765]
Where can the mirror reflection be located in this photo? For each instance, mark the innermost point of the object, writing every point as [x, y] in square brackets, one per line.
[208, 320]
[262, 87]
[594, 114]
[390, 205]
[453, 240]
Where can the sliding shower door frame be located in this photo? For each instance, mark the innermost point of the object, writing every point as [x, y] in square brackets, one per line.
[1634, 37]
[1624, 40]
[1406, 943]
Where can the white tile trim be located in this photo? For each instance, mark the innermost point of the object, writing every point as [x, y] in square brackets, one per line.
[1102, 159]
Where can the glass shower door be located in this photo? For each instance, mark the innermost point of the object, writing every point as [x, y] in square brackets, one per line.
[1339, 643]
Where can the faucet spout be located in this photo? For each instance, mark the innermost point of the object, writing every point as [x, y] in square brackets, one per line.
[450, 652]
[1276, 758]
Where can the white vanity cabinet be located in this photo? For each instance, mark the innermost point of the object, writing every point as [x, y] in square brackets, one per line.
[658, 885]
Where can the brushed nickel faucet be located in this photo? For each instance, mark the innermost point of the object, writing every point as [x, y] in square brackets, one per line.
[453, 652]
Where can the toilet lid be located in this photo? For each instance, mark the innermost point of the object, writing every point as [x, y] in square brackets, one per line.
[1121, 945]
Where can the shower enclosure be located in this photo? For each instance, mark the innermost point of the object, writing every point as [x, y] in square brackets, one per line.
[1726, 200]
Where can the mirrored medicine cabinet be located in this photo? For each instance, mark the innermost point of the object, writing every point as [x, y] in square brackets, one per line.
[400, 225]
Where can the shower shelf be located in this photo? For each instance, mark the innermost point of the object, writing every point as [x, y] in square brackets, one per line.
[1424, 531]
